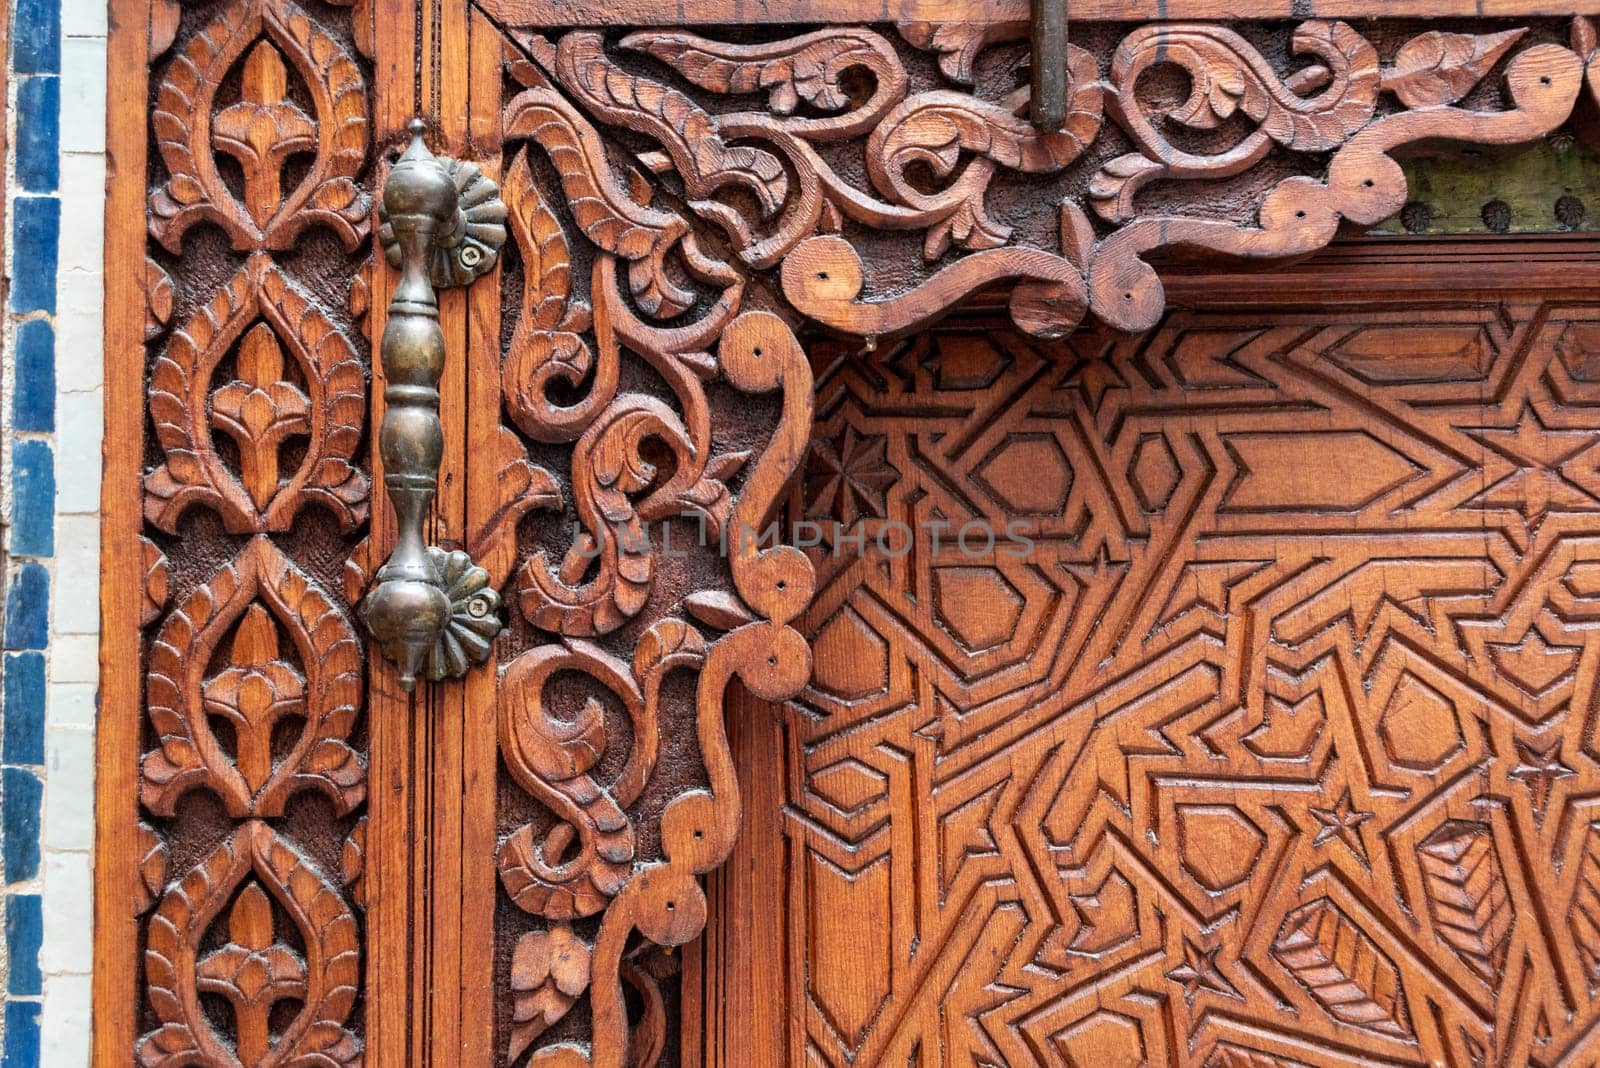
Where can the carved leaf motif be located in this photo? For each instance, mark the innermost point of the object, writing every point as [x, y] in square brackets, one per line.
[153, 859]
[1228, 76]
[251, 597]
[157, 300]
[1583, 38]
[524, 487]
[1437, 68]
[353, 863]
[934, 130]
[603, 209]
[705, 161]
[164, 18]
[1343, 970]
[254, 970]
[1468, 895]
[260, 411]
[576, 866]
[1114, 186]
[718, 609]
[804, 68]
[262, 131]
[549, 970]
[958, 43]
[359, 568]
[610, 468]
[667, 644]
[546, 349]
[157, 580]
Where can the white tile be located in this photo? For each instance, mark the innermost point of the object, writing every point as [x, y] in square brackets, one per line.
[80, 418]
[83, 18]
[71, 704]
[68, 913]
[83, 205]
[68, 790]
[80, 293]
[83, 94]
[65, 1024]
[77, 564]
[75, 658]
[80, 349]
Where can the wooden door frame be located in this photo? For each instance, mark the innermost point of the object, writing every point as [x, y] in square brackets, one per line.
[423, 988]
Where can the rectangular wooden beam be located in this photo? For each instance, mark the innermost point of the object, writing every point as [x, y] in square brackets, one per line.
[558, 13]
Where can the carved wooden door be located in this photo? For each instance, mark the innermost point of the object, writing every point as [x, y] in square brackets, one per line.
[1262, 735]
[1250, 722]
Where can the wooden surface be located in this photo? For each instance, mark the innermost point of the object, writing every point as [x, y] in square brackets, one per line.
[502, 870]
[118, 890]
[1277, 747]
[233, 769]
[643, 13]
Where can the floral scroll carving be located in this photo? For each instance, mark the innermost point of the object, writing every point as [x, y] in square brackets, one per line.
[931, 157]
[257, 403]
[252, 598]
[718, 193]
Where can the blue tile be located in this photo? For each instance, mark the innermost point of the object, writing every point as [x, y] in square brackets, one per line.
[33, 499]
[36, 37]
[38, 133]
[24, 709]
[35, 237]
[19, 825]
[33, 402]
[22, 1035]
[24, 934]
[28, 608]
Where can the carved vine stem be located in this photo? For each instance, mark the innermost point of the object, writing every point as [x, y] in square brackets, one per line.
[429, 606]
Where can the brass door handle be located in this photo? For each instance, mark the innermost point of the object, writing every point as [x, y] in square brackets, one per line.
[443, 224]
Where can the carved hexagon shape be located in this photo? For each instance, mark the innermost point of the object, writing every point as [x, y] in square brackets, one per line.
[1419, 728]
[1218, 845]
[849, 659]
[1028, 474]
[977, 605]
[1101, 1038]
[849, 785]
[1153, 472]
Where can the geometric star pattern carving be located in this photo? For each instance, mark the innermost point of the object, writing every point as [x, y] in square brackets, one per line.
[1265, 766]
[1341, 822]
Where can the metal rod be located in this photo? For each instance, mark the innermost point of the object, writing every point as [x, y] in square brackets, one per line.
[431, 611]
[1049, 99]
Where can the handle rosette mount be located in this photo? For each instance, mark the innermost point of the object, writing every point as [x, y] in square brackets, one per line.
[432, 611]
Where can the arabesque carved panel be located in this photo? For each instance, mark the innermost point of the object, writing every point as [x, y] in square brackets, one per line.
[252, 781]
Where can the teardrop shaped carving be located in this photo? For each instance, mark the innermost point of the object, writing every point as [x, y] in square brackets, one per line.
[271, 320]
[254, 969]
[261, 132]
[245, 604]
